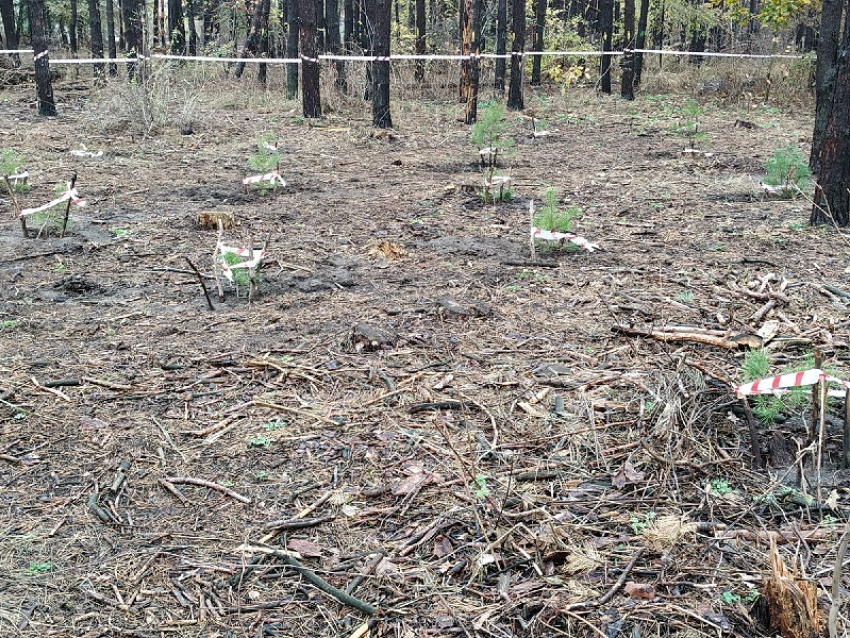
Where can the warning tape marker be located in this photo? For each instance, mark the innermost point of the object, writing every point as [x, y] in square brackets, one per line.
[273, 177]
[70, 194]
[782, 382]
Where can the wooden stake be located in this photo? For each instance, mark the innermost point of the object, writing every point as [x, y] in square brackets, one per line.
[816, 405]
[755, 441]
[845, 460]
[68, 205]
[201, 281]
[17, 206]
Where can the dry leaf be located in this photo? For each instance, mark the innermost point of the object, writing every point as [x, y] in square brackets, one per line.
[639, 591]
[442, 547]
[626, 474]
[303, 547]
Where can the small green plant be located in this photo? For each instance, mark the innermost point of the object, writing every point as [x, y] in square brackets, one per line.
[797, 226]
[488, 134]
[689, 123]
[261, 476]
[262, 441]
[756, 364]
[11, 164]
[788, 168]
[265, 160]
[38, 568]
[686, 296]
[729, 597]
[638, 525]
[8, 324]
[479, 486]
[496, 187]
[720, 487]
[551, 217]
[273, 426]
[121, 232]
[241, 276]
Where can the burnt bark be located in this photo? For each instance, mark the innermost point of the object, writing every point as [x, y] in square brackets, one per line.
[176, 30]
[515, 100]
[321, 26]
[501, 43]
[110, 36]
[252, 43]
[43, 85]
[421, 25]
[292, 48]
[96, 37]
[832, 195]
[334, 44]
[606, 21]
[381, 69]
[72, 27]
[310, 97]
[132, 12]
[627, 77]
[474, 26]
[640, 39]
[539, 8]
[825, 72]
[193, 30]
[7, 12]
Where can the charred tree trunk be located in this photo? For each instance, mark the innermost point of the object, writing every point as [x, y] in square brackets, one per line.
[193, 30]
[334, 45]
[72, 27]
[515, 101]
[292, 48]
[7, 12]
[606, 20]
[263, 40]
[421, 25]
[255, 34]
[110, 37]
[132, 13]
[348, 26]
[38, 31]
[382, 18]
[211, 23]
[832, 195]
[464, 29]
[321, 26]
[176, 30]
[367, 41]
[627, 77]
[310, 97]
[501, 43]
[539, 8]
[825, 74]
[96, 33]
[640, 40]
[472, 88]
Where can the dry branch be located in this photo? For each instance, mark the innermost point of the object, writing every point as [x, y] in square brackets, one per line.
[208, 484]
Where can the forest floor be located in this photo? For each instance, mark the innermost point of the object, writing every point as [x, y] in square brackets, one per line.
[471, 442]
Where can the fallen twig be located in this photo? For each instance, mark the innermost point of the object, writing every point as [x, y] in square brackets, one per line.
[208, 484]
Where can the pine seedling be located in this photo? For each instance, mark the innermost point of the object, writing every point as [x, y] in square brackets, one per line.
[551, 217]
[788, 171]
[488, 134]
[11, 168]
[265, 160]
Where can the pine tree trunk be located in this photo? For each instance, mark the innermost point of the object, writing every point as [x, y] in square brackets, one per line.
[72, 27]
[501, 44]
[7, 13]
[640, 42]
[132, 11]
[381, 69]
[832, 195]
[96, 37]
[464, 18]
[474, 27]
[515, 101]
[193, 30]
[421, 25]
[334, 45]
[310, 97]
[292, 48]
[627, 78]
[825, 74]
[606, 20]
[252, 42]
[110, 37]
[367, 41]
[321, 26]
[176, 29]
[539, 8]
[43, 85]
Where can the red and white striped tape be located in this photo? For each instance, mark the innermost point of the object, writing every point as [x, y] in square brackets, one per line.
[38, 56]
[226, 269]
[771, 384]
[273, 177]
[581, 242]
[71, 194]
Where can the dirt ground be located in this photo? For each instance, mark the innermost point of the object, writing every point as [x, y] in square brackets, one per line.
[470, 442]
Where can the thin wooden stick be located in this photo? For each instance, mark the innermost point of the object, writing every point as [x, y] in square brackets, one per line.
[845, 461]
[68, 205]
[17, 206]
[208, 484]
[202, 282]
[755, 441]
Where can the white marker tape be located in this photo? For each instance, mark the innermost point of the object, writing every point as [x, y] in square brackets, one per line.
[83, 151]
[783, 381]
[71, 194]
[581, 242]
[273, 177]
[17, 177]
[242, 252]
[38, 56]
[269, 147]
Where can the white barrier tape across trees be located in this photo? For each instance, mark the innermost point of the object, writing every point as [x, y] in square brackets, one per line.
[71, 194]
[581, 242]
[272, 177]
[400, 57]
[38, 56]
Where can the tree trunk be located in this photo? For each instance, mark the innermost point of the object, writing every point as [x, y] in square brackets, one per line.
[39, 33]
[310, 97]
[193, 29]
[825, 73]
[539, 8]
[72, 27]
[132, 15]
[640, 41]
[382, 19]
[321, 26]
[334, 45]
[96, 37]
[110, 36]
[176, 28]
[464, 12]
[421, 25]
[627, 77]
[366, 30]
[348, 26]
[263, 40]
[832, 195]
[501, 44]
[211, 25]
[292, 48]
[474, 26]
[252, 42]
[7, 12]
[515, 101]
[606, 20]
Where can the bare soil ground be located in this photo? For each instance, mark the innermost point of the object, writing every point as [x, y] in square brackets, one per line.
[467, 442]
